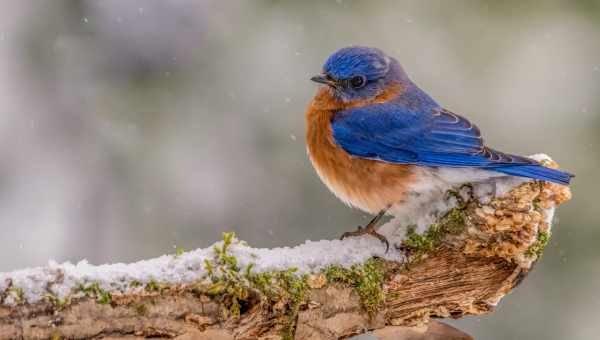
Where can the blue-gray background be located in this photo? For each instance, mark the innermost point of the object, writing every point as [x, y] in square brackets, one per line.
[128, 128]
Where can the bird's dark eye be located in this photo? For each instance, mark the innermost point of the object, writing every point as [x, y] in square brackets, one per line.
[357, 82]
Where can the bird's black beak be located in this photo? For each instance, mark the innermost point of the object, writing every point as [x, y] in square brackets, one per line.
[322, 79]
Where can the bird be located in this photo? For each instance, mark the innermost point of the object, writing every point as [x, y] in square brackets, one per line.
[376, 139]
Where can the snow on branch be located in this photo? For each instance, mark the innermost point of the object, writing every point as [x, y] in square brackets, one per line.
[479, 243]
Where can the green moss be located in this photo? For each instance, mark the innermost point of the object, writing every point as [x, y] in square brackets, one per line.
[366, 279]
[537, 248]
[294, 290]
[154, 286]
[94, 291]
[104, 298]
[453, 223]
[263, 282]
[417, 244]
[141, 309]
[227, 281]
[135, 284]
[456, 193]
[536, 204]
[178, 252]
[17, 293]
[57, 302]
[235, 288]
[223, 258]
[209, 267]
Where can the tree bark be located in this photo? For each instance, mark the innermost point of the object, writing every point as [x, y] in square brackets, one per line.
[465, 273]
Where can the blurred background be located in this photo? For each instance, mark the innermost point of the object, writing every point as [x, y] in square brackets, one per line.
[129, 128]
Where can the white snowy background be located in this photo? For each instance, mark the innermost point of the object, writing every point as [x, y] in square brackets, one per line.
[129, 128]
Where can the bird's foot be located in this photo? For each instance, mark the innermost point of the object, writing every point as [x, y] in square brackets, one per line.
[368, 230]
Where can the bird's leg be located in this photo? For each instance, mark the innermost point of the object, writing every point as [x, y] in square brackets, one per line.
[370, 229]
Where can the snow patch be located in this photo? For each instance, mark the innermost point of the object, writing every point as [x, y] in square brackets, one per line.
[61, 280]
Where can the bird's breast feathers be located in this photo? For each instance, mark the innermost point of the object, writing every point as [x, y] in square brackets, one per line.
[367, 184]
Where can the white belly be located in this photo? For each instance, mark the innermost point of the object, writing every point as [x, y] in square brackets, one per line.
[427, 198]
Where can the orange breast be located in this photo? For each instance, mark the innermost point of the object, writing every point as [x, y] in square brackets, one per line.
[366, 184]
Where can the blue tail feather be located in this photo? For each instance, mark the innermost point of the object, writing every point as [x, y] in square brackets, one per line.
[537, 172]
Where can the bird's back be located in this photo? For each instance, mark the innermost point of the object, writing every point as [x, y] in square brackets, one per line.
[411, 128]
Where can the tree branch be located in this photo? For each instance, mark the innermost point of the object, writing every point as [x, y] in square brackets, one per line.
[472, 257]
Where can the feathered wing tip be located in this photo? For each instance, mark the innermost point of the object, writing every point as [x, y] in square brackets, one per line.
[538, 172]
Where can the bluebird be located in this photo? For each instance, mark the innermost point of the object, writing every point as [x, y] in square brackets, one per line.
[376, 139]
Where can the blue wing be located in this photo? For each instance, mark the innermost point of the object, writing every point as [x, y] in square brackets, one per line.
[393, 133]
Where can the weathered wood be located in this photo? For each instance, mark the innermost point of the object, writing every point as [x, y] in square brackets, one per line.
[446, 284]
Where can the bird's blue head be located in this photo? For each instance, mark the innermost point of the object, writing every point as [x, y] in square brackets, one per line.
[355, 73]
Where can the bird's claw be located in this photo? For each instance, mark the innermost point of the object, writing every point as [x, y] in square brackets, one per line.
[369, 230]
